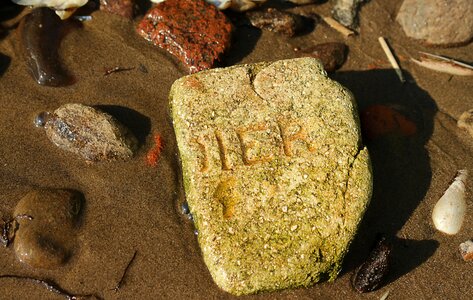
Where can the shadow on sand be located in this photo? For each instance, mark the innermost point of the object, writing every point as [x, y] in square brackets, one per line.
[138, 124]
[401, 168]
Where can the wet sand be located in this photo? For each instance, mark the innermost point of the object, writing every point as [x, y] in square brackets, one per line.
[132, 206]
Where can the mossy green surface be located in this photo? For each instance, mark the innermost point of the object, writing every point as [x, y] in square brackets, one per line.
[274, 171]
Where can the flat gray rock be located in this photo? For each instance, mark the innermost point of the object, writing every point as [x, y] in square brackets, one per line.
[439, 22]
[274, 171]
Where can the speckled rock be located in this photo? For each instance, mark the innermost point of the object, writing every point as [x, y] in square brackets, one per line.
[274, 170]
[437, 23]
[90, 133]
[48, 240]
[194, 31]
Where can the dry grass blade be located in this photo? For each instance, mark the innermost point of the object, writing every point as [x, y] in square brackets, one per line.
[391, 58]
[443, 64]
[338, 27]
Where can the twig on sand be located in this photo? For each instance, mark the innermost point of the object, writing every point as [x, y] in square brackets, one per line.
[337, 26]
[117, 69]
[122, 279]
[391, 58]
[51, 287]
[443, 64]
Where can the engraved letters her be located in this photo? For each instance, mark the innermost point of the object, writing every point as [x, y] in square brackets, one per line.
[289, 133]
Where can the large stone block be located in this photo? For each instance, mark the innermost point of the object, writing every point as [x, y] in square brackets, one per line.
[274, 171]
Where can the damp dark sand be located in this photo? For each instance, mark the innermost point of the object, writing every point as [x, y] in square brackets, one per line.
[132, 206]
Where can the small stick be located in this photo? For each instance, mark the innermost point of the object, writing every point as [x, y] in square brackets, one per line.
[122, 279]
[50, 287]
[448, 60]
[391, 58]
[338, 27]
[117, 69]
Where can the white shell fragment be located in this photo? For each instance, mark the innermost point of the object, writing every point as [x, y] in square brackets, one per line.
[64, 8]
[466, 250]
[449, 212]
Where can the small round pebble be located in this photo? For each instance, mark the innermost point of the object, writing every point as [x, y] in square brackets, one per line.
[185, 208]
[48, 239]
[39, 250]
[41, 119]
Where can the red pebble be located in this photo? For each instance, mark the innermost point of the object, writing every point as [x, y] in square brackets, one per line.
[194, 31]
[380, 120]
[153, 155]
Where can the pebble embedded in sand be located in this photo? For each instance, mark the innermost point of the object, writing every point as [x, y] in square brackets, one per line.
[371, 273]
[40, 34]
[346, 12]
[90, 133]
[194, 31]
[466, 250]
[332, 55]
[48, 239]
[277, 21]
[276, 198]
[437, 23]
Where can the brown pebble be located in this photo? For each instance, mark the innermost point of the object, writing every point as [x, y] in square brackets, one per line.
[466, 250]
[48, 239]
[332, 55]
[371, 273]
[90, 133]
[194, 31]
[277, 21]
[122, 8]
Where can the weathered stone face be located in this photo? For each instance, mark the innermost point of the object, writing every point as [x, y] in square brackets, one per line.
[274, 171]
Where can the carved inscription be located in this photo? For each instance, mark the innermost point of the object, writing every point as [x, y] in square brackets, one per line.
[291, 133]
[247, 144]
[289, 139]
[223, 151]
[205, 152]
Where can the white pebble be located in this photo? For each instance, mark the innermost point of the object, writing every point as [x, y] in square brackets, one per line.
[449, 212]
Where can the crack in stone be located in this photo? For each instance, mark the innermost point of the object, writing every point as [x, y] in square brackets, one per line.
[355, 157]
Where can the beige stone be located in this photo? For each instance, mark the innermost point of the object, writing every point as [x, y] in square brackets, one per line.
[274, 170]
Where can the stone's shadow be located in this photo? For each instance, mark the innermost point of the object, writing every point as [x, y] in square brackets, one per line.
[401, 164]
[142, 7]
[4, 63]
[407, 254]
[9, 10]
[244, 39]
[138, 124]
